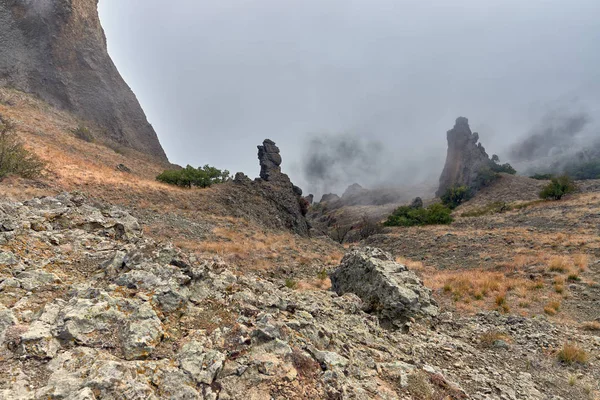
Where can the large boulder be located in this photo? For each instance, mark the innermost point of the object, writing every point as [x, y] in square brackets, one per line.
[465, 160]
[387, 288]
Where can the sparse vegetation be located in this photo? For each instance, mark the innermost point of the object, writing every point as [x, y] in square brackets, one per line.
[572, 354]
[368, 227]
[552, 308]
[593, 326]
[189, 176]
[495, 207]
[455, 196]
[485, 176]
[14, 157]
[542, 177]
[583, 170]
[435, 214]
[291, 283]
[322, 274]
[489, 338]
[419, 386]
[339, 232]
[557, 188]
[83, 133]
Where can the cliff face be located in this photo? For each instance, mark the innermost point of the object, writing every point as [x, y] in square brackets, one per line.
[466, 157]
[57, 50]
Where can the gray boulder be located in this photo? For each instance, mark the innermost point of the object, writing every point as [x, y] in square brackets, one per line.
[387, 288]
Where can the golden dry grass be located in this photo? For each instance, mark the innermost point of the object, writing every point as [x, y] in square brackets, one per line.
[571, 353]
[593, 326]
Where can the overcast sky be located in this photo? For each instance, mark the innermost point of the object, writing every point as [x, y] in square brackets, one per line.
[216, 77]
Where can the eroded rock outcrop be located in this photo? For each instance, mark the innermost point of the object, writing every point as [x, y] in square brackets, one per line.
[57, 50]
[387, 288]
[465, 159]
[285, 202]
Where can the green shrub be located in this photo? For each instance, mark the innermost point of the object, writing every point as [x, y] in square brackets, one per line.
[14, 158]
[505, 168]
[484, 177]
[557, 188]
[435, 214]
[542, 177]
[190, 176]
[455, 196]
[83, 133]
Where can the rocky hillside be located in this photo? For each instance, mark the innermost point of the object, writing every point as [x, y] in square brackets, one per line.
[91, 309]
[56, 49]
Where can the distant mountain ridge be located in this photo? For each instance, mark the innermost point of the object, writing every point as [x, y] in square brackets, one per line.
[57, 50]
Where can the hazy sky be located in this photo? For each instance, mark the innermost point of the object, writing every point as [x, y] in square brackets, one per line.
[217, 77]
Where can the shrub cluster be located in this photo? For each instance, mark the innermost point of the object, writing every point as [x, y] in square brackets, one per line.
[542, 177]
[83, 133]
[583, 170]
[14, 158]
[455, 196]
[557, 188]
[435, 214]
[190, 176]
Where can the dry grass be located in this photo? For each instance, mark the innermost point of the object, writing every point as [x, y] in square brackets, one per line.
[487, 339]
[593, 326]
[572, 354]
[558, 264]
[581, 261]
[552, 307]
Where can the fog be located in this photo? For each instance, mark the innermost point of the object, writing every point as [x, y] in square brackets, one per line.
[386, 77]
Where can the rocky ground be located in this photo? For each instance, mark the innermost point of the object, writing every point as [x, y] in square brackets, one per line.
[91, 308]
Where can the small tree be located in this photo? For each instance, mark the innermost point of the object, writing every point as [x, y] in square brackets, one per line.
[190, 176]
[339, 232]
[368, 227]
[455, 196]
[14, 158]
[558, 187]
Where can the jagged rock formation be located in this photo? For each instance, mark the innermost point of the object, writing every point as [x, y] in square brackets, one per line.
[329, 197]
[387, 289]
[285, 199]
[269, 159]
[57, 50]
[465, 159]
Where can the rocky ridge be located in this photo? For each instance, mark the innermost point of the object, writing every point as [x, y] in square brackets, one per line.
[90, 309]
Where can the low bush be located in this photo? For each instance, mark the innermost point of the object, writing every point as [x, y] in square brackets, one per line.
[83, 133]
[496, 207]
[368, 227]
[572, 354]
[190, 176]
[14, 157]
[435, 214]
[455, 196]
[557, 188]
[542, 177]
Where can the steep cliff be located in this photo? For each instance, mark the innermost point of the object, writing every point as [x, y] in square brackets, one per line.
[57, 50]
